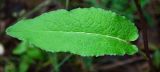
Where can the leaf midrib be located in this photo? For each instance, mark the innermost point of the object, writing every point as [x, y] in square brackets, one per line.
[79, 32]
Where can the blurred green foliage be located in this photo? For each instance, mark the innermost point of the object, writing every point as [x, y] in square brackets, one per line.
[28, 55]
[123, 7]
[10, 67]
[156, 58]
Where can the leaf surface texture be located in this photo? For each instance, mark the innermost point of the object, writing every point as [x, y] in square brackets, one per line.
[82, 31]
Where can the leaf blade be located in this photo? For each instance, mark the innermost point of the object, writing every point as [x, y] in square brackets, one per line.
[87, 32]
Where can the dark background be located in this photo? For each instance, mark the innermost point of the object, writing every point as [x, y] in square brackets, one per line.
[19, 59]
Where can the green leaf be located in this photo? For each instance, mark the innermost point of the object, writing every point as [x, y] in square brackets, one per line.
[144, 2]
[21, 48]
[82, 31]
[25, 63]
[23, 67]
[34, 53]
[10, 67]
[26, 49]
[156, 58]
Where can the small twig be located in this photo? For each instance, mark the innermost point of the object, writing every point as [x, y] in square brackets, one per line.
[67, 4]
[144, 33]
[54, 61]
[64, 60]
[117, 64]
[43, 4]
